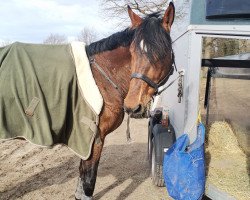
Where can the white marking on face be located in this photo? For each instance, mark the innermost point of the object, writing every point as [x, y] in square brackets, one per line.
[142, 46]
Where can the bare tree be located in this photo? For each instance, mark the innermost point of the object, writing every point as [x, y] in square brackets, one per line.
[5, 43]
[118, 8]
[55, 39]
[87, 35]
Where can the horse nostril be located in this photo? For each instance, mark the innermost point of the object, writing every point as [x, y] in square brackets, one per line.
[127, 110]
[137, 109]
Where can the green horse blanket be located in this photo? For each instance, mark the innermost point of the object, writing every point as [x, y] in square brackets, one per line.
[45, 96]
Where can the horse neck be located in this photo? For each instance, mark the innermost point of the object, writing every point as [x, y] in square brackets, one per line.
[116, 64]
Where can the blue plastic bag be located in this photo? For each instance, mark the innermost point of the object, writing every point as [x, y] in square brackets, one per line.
[184, 167]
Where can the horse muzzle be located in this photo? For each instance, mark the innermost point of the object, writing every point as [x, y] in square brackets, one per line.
[139, 111]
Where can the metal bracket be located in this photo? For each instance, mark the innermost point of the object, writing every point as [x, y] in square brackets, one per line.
[180, 85]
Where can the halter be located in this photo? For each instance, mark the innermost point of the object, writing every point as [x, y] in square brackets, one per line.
[152, 83]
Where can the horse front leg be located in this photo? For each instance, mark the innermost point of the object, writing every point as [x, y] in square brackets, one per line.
[88, 173]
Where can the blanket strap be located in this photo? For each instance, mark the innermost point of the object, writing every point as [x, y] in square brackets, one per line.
[32, 106]
[93, 127]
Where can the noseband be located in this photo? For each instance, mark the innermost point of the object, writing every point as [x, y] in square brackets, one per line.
[152, 83]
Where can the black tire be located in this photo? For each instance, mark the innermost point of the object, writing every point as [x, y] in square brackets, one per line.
[156, 169]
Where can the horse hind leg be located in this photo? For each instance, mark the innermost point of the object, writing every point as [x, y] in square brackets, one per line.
[88, 173]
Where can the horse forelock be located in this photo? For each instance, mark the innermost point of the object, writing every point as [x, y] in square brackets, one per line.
[152, 37]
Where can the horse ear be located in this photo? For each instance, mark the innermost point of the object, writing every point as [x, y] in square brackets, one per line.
[168, 18]
[135, 19]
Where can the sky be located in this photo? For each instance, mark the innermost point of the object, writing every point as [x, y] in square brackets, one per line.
[33, 20]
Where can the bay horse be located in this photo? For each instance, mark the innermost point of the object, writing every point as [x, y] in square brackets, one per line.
[135, 63]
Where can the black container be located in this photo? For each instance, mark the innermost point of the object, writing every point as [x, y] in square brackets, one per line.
[157, 116]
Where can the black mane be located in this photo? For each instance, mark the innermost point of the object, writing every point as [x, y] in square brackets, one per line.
[122, 38]
[156, 39]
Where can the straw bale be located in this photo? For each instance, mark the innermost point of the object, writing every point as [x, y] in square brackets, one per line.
[227, 165]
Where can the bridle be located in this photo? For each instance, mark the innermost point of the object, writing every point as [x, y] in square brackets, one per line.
[152, 83]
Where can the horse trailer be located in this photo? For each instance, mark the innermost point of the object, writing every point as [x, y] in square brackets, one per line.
[211, 42]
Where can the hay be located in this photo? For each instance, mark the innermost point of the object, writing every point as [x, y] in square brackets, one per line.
[227, 166]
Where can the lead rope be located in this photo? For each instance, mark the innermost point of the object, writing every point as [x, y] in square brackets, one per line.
[128, 130]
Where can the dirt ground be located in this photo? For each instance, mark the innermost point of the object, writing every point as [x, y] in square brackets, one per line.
[30, 172]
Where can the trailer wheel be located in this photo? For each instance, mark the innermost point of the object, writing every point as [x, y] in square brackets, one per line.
[156, 169]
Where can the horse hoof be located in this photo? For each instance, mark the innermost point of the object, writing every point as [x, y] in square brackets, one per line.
[84, 197]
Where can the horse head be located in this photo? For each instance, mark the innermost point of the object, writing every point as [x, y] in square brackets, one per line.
[152, 58]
